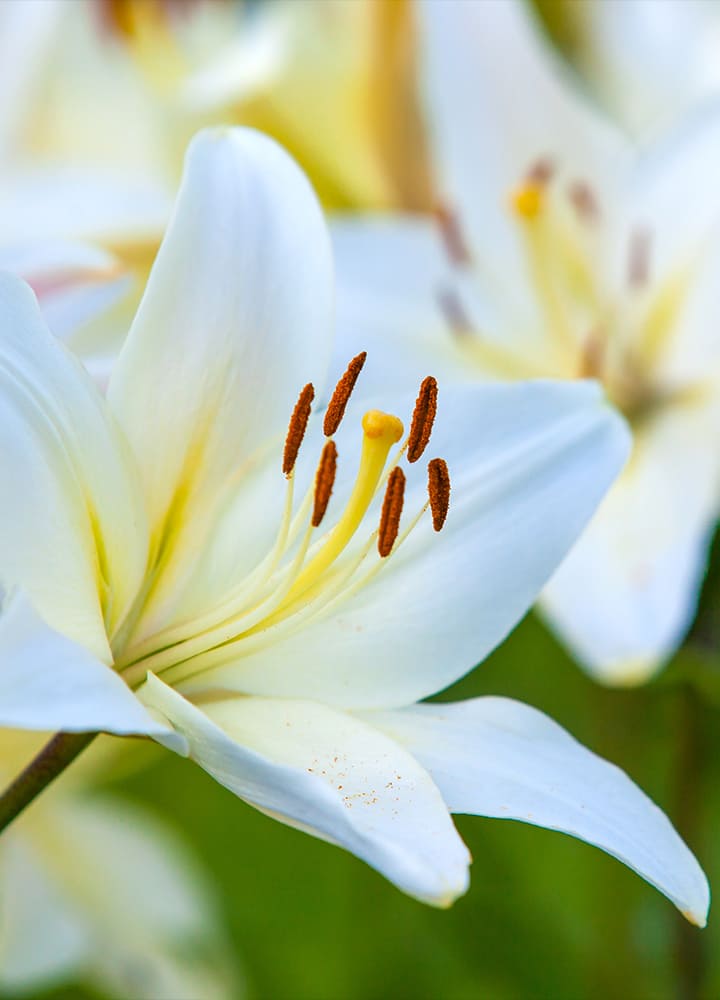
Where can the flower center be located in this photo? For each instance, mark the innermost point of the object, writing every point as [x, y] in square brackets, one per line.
[306, 570]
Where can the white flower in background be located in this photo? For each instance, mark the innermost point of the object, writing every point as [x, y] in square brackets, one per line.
[565, 255]
[649, 61]
[95, 890]
[165, 573]
[85, 194]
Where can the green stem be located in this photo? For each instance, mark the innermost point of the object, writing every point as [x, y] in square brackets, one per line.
[52, 760]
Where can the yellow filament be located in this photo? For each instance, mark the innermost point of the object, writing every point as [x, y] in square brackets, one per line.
[381, 432]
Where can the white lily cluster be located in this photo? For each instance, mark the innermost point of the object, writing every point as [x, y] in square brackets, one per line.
[565, 252]
[265, 547]
[203, 559]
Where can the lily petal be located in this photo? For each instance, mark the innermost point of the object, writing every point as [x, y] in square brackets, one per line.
[235, 319]
[626, 594]
[529, 463]
[500, 758]
[77, 545]
[331, 775]
[49, 683]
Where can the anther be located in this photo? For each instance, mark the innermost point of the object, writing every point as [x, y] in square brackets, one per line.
[438, 491]
[324, 481]
[343, 390]
[297, 428]
[422, 419]
[391, 511]
[583, 201]
[452, 235]
[541, 172]
[639, 258]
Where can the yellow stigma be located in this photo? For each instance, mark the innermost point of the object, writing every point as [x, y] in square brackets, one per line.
[381, 432]
[377, 424]
[527, 200]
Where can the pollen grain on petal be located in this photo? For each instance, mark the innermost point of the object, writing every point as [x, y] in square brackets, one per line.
[391, 511]
[297, 427]
[343, 390]
[423, 418]
[324, 481]
[438, 491]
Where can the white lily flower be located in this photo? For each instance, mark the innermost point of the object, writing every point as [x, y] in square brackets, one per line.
[569, 256]
[85, 195]
[165, 581]
[96, 890]
[651, 61]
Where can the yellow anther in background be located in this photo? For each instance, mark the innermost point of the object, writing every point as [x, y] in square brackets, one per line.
[527, 201]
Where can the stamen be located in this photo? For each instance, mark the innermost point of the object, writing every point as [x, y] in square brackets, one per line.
[639, 258]
[381, 432]
[422, 419]
[452, 235]
[454, 312]
[324, 481]
[343, 390]
[541, 172]
[438, 491]
[297, 427]
[583, 201]
[528, 199]
[391, 511]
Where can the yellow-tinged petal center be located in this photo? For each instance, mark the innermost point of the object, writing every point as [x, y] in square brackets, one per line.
[308, 570]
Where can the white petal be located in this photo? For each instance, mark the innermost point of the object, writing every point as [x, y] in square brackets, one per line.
[49, 683]
[627, 592]
[500, 758]
[74, 536]
[331, 775]
[499, 102]
[235, 319]
[529, 463]
[658, 197]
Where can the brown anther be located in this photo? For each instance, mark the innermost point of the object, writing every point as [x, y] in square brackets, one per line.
[583, 201]
[297, 427]
[454, 312]
[391, 511]
[452, 235]
[324, 481]
[541, 172]
[639, 258]
[343, 390]
[438, 491]
[423, 419]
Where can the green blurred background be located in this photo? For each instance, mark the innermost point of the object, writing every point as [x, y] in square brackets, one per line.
[546, 916]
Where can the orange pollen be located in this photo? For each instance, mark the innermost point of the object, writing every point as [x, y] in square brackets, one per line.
[423, 419]
[391, 511]
[297, 427]
[324, 481]
[343, 390]
[438, 491]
